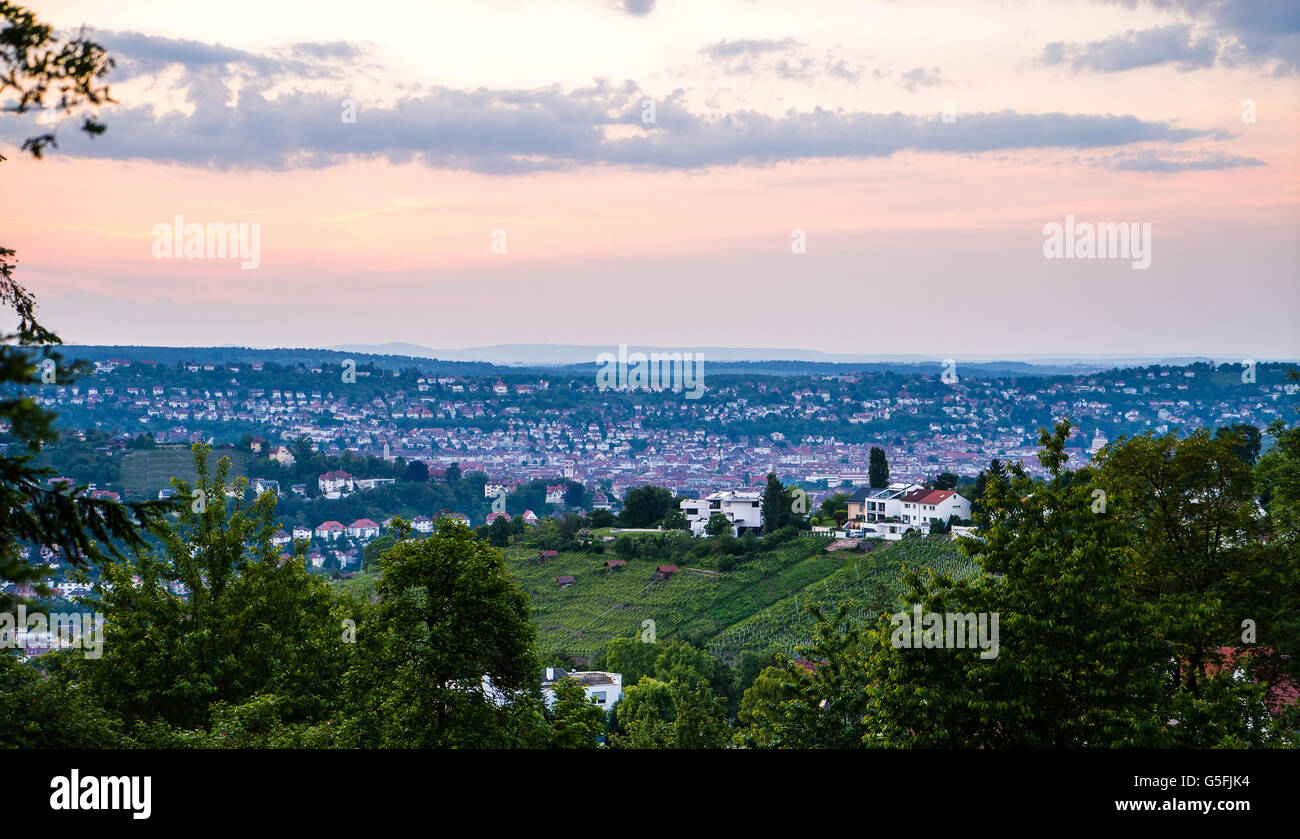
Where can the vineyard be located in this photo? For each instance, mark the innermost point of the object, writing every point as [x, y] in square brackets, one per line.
[870, 582]
[604, 604]
[758, 603]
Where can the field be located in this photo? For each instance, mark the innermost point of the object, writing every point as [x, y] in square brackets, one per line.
[871, 582]
[758, 603]
[147, 471]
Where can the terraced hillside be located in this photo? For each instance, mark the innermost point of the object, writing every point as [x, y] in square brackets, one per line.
[871, 581]
[757, 603]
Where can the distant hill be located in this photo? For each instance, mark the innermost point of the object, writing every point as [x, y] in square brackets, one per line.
[507, 359]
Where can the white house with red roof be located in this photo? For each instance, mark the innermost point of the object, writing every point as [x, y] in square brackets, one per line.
[336, 483]
[330, 530]
[922, 505]
[363, 529]
[555, 494]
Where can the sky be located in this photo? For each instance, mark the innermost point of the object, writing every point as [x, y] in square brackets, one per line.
[851, 177]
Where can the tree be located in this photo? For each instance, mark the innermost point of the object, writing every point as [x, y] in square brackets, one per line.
[82, 529]
[576, 495]
[499, 531]
[945, 480]
[1246, 439]
[448, 656]
[1085, 666]
[676, 520]
[172, 658]
[452, 475]
[578, 722]
[773, 507]
[718, 525]
[646, 506]
[878, 469]
[417, 471]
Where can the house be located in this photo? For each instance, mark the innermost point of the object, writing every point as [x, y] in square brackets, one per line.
[316, 559]
[336, 483]
[615, 563]
[363, 529]
[261, 485]
[565, 582]
[280, 539]
[256, 445]
[744, 509]
[330, 530]
[301, 531]
[530, 517]
[105, 495]
[299, 489]
[545, 555]
[602, 688]
[555, 494]
[282, 455]
[491, 517]
[459, 518]
[923, 505]
[663, 572]
[878, 504]
[422, 524]
[600, 501]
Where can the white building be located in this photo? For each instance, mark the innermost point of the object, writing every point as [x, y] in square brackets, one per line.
[336, 483]
[604, 689]
[922, 505]
[363, 529]
[869, 505]
[744, 509]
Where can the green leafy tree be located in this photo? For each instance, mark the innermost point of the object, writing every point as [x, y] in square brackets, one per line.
[247, 623]
[578, 722]
[448, 655]
[646, 506]
[718, 525]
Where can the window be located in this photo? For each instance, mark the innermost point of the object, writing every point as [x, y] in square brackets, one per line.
[599, 697]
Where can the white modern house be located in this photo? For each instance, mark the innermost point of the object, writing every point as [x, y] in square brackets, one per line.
[873, 505]
[744, 509]
[604, 689]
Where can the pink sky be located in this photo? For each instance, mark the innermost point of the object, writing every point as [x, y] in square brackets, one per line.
[933, 248]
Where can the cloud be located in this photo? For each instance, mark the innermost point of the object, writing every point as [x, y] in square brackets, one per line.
[1150, 47]
[783, 58]
[1264, 34]
[920, 77]
[259, 125]
[639, 8]
[1152, 161]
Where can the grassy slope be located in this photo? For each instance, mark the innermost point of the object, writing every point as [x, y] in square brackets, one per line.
[759, 603]
[746, 608]
[149, 470]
